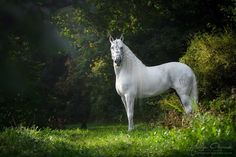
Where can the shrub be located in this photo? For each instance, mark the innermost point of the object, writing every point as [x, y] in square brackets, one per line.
[223, 104]
[213, 59]
[171, 102]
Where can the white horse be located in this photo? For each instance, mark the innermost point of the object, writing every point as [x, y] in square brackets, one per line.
[135, 80]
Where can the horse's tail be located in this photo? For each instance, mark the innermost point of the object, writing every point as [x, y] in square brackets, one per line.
[194, 91]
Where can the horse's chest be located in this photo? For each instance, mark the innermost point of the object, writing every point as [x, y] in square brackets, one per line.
[122, 86]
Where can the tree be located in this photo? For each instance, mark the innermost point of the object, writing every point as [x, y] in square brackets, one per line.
[30, 44]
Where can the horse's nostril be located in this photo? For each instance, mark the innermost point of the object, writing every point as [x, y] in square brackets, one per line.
[118, 61]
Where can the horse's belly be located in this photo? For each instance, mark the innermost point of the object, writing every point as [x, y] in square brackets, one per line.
[149, 92]
[153, 85]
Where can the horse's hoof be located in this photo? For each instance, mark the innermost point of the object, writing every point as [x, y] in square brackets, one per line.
[130, 129]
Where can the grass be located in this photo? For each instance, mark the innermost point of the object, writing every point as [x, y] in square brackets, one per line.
[203, 134]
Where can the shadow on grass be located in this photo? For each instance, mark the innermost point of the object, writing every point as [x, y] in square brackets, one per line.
[15, 143]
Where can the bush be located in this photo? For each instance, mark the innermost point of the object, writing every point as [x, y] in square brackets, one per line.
[171, 102]
[223, 104]
[213, 58]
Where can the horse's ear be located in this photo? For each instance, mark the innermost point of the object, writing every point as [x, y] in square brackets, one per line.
[122, 37]
[111, 39]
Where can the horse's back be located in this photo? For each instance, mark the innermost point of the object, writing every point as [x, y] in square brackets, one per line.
[180, 75]
[157, 79]
[176, 68]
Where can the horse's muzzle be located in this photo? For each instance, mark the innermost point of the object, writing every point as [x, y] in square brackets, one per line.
[118, 62]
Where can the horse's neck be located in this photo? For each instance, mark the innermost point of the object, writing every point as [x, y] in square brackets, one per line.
[131, 60]
[130, 63]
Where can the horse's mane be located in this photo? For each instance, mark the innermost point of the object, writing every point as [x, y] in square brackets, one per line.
[130, 55]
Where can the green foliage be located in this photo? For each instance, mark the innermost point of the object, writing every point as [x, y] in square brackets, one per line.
[31, 62]
[212, 57]
[106, 104]
[171, 102]
[46, 81]
[90, 80]
[224, 105]
[202, 131]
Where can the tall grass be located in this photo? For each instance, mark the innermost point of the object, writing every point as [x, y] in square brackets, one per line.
[202, 134]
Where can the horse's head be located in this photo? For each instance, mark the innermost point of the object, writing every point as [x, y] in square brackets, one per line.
[117, 50]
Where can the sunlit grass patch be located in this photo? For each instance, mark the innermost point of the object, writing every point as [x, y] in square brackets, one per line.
[202, 130]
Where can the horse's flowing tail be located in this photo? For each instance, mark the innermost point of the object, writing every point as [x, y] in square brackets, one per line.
[194, 91]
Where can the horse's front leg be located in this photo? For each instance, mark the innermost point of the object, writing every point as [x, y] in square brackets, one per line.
[123, 100]
[129, 99]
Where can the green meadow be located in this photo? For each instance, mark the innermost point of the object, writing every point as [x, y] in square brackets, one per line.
[202, 134]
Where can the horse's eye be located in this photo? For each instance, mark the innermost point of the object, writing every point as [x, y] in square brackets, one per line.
[121, 48]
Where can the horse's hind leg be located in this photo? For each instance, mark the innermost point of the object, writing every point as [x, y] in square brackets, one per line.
[186, 102]
[183, 88]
